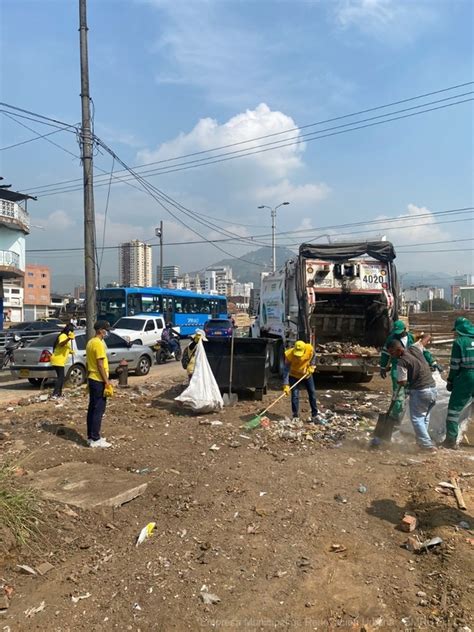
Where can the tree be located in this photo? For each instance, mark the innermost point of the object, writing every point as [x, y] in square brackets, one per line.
[436, 305]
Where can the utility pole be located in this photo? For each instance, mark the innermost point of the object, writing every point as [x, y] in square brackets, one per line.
[87, 167]
[159, 233]
[273, 211]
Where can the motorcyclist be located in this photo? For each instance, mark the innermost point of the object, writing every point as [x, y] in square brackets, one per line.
[170, 337]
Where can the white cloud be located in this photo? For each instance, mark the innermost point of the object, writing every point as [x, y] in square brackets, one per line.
[419, 230]
[305, 194]
[58, 221]
[393, 21]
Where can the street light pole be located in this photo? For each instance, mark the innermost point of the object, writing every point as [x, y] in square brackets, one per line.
[273, 213]
[159, 233]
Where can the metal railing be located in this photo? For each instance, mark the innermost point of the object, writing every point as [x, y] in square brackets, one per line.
[9, 259]
[14, 212]
[26, 336]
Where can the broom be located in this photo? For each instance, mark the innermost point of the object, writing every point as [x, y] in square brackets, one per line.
[256, 421]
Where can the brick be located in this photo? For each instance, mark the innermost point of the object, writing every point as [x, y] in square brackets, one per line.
[408, 523]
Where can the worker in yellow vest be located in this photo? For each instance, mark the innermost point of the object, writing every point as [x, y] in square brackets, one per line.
[300, 362]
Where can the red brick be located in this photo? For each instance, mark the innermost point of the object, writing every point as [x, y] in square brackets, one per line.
[408, 523]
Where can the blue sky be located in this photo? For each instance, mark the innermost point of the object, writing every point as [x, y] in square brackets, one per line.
[171, 78]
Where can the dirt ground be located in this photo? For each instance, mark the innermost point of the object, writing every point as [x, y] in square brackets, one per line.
[290, 533]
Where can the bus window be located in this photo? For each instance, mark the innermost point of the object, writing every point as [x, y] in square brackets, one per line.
[168, 309]
[134, 304]
[111, 305]
[151, 303]
[178, 306]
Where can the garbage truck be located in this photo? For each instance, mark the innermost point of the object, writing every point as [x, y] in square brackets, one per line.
[340, 297]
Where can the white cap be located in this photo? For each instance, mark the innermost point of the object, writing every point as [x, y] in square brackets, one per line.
[201, 333]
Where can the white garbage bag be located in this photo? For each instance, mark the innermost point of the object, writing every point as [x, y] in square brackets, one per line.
[203, 394]
[437, 427]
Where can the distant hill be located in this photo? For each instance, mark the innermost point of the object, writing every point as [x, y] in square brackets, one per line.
[423, 277]
[257, 261]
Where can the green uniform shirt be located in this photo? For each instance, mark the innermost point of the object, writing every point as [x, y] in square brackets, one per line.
[462, 356]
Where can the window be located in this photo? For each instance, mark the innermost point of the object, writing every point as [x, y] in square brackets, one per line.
[30, 285]
[43, 287]
[151, 303]
[134, 304]
[43, 275]
[81, 343]
[150, 325]
[159, 323]
[115, 342]
[31, 274]
[15, 291]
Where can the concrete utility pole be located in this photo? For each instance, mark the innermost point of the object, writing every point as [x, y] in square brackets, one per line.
[87, 167]
[159, 233]
[273, 211]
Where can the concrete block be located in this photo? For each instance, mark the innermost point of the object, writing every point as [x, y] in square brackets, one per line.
[87, 485]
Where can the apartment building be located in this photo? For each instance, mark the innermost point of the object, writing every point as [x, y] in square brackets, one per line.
[37, 291]
[135, 264]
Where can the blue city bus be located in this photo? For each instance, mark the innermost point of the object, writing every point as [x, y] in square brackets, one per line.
[186, 310]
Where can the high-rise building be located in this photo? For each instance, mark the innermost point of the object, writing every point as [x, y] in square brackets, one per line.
[37, 291]
[135, 268]
[169, 273]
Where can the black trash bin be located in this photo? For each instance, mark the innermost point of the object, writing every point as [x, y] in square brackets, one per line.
[251, 363]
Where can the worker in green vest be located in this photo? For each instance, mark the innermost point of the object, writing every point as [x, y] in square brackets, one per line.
[460, 379]
[399, 332]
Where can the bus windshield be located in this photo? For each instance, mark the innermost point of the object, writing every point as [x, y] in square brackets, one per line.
[111, 305]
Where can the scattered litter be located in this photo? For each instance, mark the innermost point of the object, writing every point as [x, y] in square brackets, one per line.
[9, 590]
[214, 447]
[408, 523]
[340, 499]
[242, 436]
[26, 569]
[4, 604]
[362, 489]
[338, 548]
[265, 422]
[136, 606]
[446, 485]
[303, 562]
[145, 533]
[207, 597]
[263, 493]
[464, 525]
[79, 597]
[252, 529]
[413, 544]
[234, 444]
[44, 568]
[216, 422]
[32, 611]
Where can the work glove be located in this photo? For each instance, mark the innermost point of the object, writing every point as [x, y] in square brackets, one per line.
[383, 373]
[71, 335]
[286, 389]
[311, 370]
[449, 386]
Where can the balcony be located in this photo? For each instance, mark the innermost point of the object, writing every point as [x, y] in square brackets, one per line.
[12, 215]
[10, 264]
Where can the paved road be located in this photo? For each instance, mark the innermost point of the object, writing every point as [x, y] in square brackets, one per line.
[18, 389]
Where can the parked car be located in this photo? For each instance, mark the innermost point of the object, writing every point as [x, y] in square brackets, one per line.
[33, 362]
[145, 330]
[52, 321]
[218, 327]
[34, 326]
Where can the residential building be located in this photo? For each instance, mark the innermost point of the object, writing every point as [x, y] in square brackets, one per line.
[460, 280]
[135, 264]
[242, 289]
[13, 301]
[80, 293]
[422, 293]
[254, 301]
[37, 291]
[223, 279]
[465, 298]
[14, 226]
[169, 273]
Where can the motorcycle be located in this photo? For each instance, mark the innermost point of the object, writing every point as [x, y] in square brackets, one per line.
[15, 343]
[163, 352]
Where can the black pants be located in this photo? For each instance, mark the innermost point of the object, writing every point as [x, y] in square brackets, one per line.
[58, 385]
[96, 409]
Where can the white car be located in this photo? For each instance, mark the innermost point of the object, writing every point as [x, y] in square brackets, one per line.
[145, 330]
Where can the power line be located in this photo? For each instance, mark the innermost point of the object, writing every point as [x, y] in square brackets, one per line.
[29, 140]
[35, 114]
[204, 241]
[287, 131]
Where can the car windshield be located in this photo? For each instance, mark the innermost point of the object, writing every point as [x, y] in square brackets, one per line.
[218, 324]
[129, 323]
[19, 326]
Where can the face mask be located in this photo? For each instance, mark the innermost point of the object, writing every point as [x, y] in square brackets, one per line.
[106, 334]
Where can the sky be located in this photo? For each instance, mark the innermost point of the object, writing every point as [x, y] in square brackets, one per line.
[172, 78]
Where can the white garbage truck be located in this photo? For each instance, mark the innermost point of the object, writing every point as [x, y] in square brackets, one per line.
[340, 297]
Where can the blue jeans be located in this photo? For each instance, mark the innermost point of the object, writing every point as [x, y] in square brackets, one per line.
[96, 409]
[421, 403]
[295, 395]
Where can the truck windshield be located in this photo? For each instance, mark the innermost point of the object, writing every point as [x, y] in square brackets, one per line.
[134, 324]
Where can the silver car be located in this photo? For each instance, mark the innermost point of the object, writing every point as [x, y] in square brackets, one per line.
[33, 362]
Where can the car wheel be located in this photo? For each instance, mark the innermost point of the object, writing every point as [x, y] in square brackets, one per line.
[35, 381]
[143, 366]
[76, 376]
[138, 341]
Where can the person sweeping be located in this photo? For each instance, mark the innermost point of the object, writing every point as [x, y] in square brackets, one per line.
[460, 381]
[300, 362]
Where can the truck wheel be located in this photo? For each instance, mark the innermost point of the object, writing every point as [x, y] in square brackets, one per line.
[177, 354]
[259, 394]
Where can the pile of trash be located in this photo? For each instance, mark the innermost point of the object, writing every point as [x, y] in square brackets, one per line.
[331, 434]
[346, 347]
